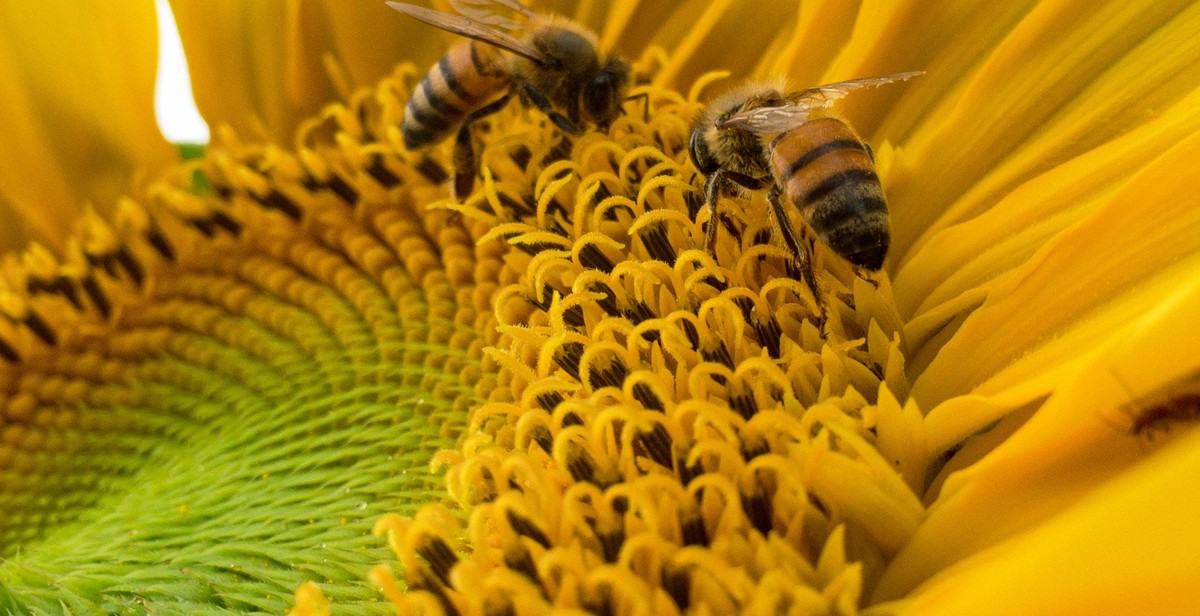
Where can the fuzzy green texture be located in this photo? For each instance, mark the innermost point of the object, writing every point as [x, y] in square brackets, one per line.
[238, 478]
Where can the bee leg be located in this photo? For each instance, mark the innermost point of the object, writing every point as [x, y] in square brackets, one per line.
[714, 186]
[540, 101]
[865, 274]
[645, 98]
[712, 190]
[465, 164]
[800, 254]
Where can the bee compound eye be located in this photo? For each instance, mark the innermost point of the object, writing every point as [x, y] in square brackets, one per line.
[598, 98]
[698, 151]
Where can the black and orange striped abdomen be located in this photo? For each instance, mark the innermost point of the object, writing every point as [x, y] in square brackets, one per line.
[466, 78]
[827, 172]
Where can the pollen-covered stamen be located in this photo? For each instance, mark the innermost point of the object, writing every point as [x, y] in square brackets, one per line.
[319, 175]
[43, 275]
[685, 413]
[208, 217]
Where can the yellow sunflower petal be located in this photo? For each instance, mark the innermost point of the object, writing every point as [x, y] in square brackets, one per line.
[956, 278]
[1132, 547]
[29, 174]
[1041, 95]
[991, 244]
[894, 37]
[369, 38]
[821, 30]
[1078, 441]
[700, 34]
[78, 84]
[1091, 280]
[240, 62]
[1021, 203]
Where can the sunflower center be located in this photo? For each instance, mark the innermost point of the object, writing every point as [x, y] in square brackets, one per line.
[671, 428]
[213, 396]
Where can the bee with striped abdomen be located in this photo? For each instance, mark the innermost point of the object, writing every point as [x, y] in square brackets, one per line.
[555, 65]
[758, 137]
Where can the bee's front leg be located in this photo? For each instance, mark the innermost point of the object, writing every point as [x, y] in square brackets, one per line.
[721, 182]
[539, 100]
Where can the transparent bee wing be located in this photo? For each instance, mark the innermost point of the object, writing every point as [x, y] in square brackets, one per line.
[824, 96]
[481, 11]
[768, 120]
[799, 108]
[469, 28]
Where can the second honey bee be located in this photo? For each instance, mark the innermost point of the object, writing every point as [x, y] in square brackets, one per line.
[555, 66]
[819, 163]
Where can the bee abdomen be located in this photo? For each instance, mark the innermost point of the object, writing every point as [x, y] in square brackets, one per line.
[827, 172]
[463, 80]
[852, 218]
[834, 145]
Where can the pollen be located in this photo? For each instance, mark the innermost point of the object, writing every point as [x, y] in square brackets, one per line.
[671, 430]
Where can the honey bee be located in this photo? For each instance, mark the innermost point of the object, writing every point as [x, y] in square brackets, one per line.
[554, 65]
[819, 163]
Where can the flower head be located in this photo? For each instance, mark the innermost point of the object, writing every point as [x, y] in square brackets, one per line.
[217, 384]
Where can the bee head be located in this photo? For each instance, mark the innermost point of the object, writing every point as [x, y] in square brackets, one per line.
[603, 94]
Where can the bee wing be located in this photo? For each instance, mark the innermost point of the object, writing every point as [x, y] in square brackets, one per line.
[823, 96]
[799, 108]
[768, 120]
[480, 11]
[469, 28]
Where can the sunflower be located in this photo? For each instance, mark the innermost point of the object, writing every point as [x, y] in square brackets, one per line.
[219, 375]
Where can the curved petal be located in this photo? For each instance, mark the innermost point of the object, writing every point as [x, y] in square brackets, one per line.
[1061, 170]
[78, 84]
[370, 38]
[1067, 76]
[1130, 547]
[240, 62]
[1104, 271]
[261, 67]
[701, 37]
[1078, 441]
